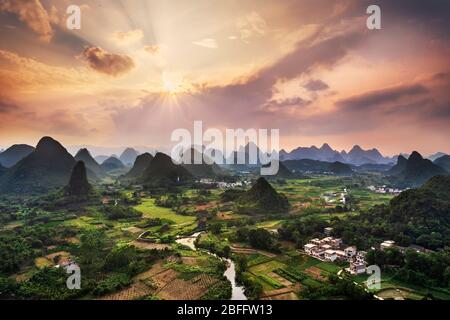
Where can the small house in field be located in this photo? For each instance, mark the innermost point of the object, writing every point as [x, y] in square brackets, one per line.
[357, 267]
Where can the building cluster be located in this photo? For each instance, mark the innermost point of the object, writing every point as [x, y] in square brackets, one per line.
[333, 249]
[385, 190]
[225, 185]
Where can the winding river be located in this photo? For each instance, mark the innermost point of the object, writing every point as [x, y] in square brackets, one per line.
[230, 272]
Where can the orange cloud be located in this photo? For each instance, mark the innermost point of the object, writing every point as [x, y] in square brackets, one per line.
[127, 37]
[153, 49]
[108, 63]
[33, 14]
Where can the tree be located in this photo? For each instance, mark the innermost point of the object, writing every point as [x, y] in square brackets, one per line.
[92, 251]
[260, 238]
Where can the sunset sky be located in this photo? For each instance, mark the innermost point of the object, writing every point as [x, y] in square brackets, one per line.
[139, 69]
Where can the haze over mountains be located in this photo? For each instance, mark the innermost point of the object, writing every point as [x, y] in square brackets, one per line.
[50, 165]
[128, 156]
[356, 156]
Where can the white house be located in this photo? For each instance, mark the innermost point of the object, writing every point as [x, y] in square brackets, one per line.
[357, 267]
[387, 244]
[361, 256]
[330, 255]
[309, 248]
[350, 252]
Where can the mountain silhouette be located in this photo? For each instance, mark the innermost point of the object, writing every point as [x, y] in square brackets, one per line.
[340, 168]
[437, 155]
[100, 159]
[356, 156]
[200, 170]
[414, 171]
[48, 166]
[14, 154]
[142, 162]
[443, 162]
[111, 164]
[163, 171]
[2, 170]
[85, 156]
[78, 183]
[262, 198]
[283, 172]
[316, 166]
[128, 156]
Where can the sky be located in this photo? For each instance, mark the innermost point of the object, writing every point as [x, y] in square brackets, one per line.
[137, 70]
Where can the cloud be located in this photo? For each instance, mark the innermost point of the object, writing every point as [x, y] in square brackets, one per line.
[153, 49]
[378, 97]
[316, 85]
[246, 103]
[5, 105]
[251, 25]
[206, 43]
[33, 14]
[20, 75]
[108, 63]
[273, 105]
[128, 37]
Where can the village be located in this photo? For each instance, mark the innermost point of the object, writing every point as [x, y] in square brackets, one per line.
[333, 249]
[385, 190]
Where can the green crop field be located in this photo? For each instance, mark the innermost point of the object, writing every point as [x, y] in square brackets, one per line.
[150, 210]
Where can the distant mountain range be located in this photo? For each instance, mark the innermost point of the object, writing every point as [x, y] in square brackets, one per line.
[14, 154]
[356, 156]
[437, 155]
[101, 158]
[128, 156]
[48, 166]
[443, 162]
[316, 166]
[414, 171]
[205, 169]
[111, 164]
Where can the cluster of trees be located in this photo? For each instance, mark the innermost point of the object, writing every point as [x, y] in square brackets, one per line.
[432, 270]
[20, 245]
[120, 212]
[104, 268]
[417, 216]
[172, 201]
[302, 230]
[258, 238]
[335, 288]
[253, 289]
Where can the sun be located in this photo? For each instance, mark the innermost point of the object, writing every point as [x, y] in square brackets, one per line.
[172, 83]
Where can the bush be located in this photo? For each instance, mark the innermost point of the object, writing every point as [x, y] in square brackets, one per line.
[112, 283]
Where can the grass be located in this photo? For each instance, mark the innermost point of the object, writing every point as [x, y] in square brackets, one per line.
[150, 210]
[328, 267]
